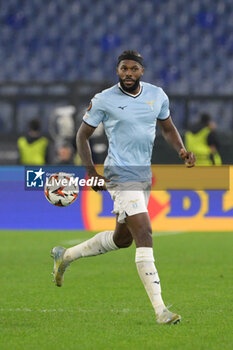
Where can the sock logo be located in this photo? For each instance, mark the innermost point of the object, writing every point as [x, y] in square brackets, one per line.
[157, 282]
[150, 273]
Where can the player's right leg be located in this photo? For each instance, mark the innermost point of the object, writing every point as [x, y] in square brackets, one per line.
[101, 243]
[60, 265]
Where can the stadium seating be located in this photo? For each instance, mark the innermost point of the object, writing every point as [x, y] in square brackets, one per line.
[60, 40]
[187, 46]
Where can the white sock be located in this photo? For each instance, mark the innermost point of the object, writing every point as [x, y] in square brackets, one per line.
[149, 276]
[99, 244]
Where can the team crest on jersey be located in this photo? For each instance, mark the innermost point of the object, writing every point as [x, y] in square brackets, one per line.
[89, 108]
[151, 104]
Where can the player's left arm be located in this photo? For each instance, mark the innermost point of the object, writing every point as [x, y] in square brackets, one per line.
[172, 136]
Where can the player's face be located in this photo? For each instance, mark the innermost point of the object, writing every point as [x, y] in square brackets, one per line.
[130, 73]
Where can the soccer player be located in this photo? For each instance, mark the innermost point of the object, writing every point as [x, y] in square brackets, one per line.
[129, 112]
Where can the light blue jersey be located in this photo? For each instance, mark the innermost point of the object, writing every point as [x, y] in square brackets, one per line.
[130, 125]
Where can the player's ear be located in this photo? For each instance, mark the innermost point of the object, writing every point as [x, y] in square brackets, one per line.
[142, 71]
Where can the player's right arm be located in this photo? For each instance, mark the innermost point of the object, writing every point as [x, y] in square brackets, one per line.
[84, 133]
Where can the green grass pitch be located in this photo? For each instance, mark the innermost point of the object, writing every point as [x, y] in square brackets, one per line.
[103, 305]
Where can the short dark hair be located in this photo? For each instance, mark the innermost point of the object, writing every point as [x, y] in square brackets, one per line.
[131, 52]
[34, 124]
[130, 55]
[205, 118]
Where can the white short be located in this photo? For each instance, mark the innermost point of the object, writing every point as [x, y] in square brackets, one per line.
[129, 199]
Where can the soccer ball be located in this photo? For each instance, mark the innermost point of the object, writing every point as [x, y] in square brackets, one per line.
[61, 189]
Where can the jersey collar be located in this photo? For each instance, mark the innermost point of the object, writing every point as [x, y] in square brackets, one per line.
[127, 93]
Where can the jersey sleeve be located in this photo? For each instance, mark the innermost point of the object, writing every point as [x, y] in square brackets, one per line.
[164, 111]
[95, 113]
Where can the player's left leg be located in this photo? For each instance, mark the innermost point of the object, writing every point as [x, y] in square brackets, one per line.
[122, 236]
[140, 228]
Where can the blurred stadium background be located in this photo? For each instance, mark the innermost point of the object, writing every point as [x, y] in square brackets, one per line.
[58, 53]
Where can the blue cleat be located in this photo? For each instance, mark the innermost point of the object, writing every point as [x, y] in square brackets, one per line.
[60, 265]
[168, 317]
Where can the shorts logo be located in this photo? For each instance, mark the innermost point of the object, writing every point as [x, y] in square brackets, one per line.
[134, 204]
[34, 178]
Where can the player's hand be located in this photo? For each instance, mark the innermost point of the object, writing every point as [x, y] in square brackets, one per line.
[98, 177]
[188, 157]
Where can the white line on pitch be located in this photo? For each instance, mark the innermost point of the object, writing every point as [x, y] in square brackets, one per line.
[166, 233]
[75, 241]
[155, 234]
[18, 309]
